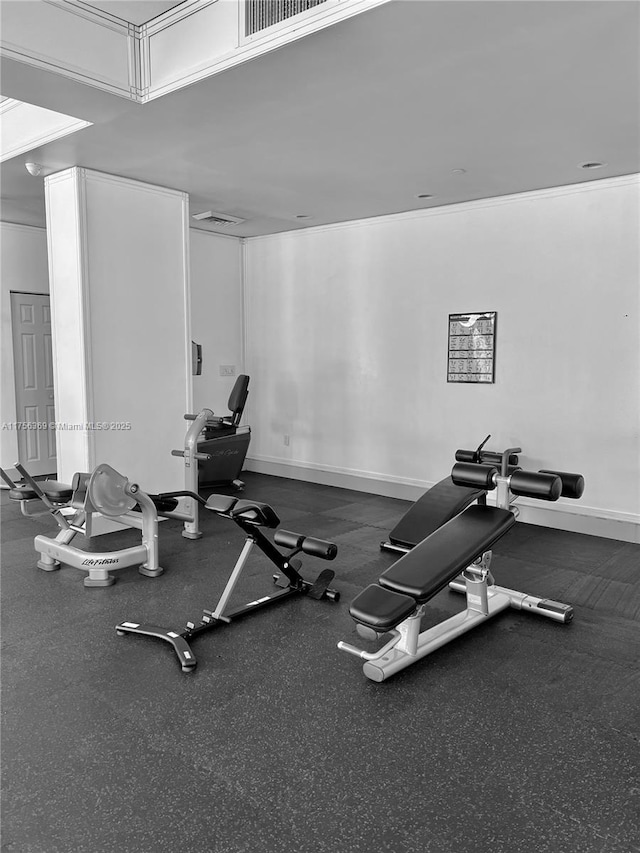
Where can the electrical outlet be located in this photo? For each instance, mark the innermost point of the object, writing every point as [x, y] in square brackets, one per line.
[227, 370]
[287, 440]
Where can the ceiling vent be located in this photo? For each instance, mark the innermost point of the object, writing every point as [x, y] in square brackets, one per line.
[223, 220]
[258, 14]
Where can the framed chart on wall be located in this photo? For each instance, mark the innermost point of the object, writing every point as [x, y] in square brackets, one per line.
[472, 347]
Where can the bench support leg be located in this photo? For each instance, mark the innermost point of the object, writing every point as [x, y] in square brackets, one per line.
[433, 638]
[555, 610]
[409, 631]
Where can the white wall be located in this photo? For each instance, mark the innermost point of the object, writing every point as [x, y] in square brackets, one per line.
[216, 316]
[346, 330]
[23, 267]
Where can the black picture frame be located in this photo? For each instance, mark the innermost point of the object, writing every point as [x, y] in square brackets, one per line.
[471, 354]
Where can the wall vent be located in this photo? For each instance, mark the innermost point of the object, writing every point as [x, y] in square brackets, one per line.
[221, 219]
[260, 14]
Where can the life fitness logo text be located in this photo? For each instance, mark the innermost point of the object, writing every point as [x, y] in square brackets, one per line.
[104, 562]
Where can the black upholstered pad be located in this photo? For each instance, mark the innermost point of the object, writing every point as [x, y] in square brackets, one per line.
[22, 493]
[252, 512]
[437, 506]
[220, 503]
[381, 609]
[55, 491]
[256, 513]
[428, 568]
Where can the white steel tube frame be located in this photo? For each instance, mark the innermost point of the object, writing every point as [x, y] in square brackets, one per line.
[484, 600]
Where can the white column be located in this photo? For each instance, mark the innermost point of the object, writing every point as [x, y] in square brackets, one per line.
[119, 278]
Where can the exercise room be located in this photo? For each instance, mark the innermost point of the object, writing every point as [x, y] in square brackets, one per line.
[320, 446]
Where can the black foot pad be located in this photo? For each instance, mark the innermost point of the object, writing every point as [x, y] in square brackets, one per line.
[321, 584]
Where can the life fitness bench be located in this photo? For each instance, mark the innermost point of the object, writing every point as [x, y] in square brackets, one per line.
[104, 491]
[251, 517]
[397, 602]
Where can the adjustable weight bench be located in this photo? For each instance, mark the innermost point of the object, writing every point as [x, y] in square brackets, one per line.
[397, 602]
[250, 516]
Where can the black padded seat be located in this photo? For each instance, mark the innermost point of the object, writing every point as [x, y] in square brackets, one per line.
[220, 503]
[256, 513]
[428, 568]
[381, 609]
[22, 493]
[56, 492]
[259, 514]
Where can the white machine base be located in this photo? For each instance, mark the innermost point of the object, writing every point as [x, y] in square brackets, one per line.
[484, 600]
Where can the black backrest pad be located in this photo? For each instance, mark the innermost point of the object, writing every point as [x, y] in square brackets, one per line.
[437, 506]
[448, 551]
[239, 393]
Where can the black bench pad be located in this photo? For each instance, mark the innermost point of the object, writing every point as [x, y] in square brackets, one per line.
[54, 490]
[428, 568]
[437, 506]
[380, 608]
[251, 512]
[220, 503]
[257, 513]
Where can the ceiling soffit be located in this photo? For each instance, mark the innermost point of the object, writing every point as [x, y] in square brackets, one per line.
[188, 42]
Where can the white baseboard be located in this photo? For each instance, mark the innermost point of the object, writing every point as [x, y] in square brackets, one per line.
[592, 521]
[359, 481]
[562, 515]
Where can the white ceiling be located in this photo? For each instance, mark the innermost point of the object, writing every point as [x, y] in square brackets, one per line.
[358, 119]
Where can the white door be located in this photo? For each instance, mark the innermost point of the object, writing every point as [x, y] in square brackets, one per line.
[33, 368]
